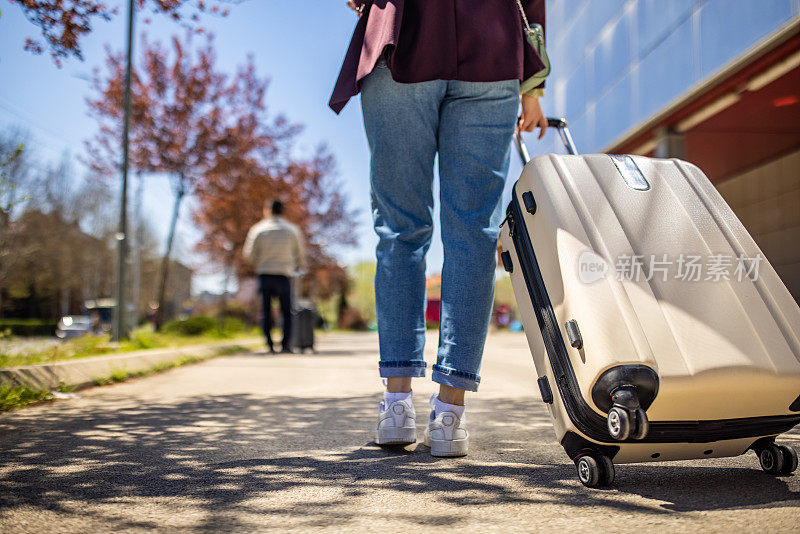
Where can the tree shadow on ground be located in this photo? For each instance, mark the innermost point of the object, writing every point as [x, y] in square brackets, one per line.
[230, 454]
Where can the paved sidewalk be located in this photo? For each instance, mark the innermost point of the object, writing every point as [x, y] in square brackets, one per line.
[255, 442]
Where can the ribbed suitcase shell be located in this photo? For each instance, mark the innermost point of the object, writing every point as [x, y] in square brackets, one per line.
[727, 352]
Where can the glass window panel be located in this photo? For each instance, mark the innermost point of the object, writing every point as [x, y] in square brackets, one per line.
[729, 28]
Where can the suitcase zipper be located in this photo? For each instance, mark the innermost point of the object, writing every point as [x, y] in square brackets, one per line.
[510, 221]
[556, 350]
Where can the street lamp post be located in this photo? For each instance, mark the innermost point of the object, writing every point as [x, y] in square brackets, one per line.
[120, 327]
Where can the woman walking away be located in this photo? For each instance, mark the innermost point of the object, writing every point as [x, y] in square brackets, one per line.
[440, 78]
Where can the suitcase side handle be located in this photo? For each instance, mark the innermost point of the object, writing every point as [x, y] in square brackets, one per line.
[563, 131]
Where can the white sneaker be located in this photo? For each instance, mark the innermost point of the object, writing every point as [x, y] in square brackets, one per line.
[397, 423]
[446, 433]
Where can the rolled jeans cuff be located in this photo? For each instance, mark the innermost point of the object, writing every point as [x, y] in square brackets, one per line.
[398, 368]
[455, 378]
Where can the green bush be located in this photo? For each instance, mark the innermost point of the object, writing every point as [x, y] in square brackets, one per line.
[89, 344]
[204, 325]
[119, 375]
[239, 311]
[192, 326]
[29, 327]
[18, 396]
[231, 326]
[145, 338]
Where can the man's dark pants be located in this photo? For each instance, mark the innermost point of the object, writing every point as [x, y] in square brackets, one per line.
[274, 285]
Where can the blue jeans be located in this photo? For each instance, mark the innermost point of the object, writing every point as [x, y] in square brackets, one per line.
[470, 125]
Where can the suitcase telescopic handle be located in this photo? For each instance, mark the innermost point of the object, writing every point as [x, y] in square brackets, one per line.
[563, 132]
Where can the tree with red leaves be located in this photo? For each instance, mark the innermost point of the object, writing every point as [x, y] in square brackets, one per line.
[182, 111]
[210, 132]
[231, 197]
[64, 22]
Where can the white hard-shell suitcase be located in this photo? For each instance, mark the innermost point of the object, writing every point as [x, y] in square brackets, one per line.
[641, 355]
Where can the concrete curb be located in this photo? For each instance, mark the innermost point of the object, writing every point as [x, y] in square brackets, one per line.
[84, 371]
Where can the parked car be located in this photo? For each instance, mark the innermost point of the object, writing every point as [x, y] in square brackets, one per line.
[72, 326]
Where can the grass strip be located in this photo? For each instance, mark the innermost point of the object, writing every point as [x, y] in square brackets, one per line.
[13, 397]
[19, 351]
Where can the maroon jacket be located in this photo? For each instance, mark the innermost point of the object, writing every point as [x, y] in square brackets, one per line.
[422, 40]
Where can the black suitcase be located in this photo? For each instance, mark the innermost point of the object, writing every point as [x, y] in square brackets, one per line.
[303, 320]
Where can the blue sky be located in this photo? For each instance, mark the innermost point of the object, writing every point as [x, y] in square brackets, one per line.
[298, 44]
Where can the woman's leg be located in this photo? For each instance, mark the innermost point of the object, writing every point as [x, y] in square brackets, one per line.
[475, 132]
[401, 123]
[476, 124]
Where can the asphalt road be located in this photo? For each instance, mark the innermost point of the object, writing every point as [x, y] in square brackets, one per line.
[255, 442]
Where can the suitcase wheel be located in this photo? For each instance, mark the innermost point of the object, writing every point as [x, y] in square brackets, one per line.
[595, 470]
[642, 424]
[771, 459]
[789, 459]
[619, 423]
[607, 470]
[626, 418]
[778, 460]
[623, 423]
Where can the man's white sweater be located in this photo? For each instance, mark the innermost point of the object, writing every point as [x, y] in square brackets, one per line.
[275, 246]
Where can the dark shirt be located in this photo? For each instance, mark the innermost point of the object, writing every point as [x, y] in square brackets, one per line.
[423, 40]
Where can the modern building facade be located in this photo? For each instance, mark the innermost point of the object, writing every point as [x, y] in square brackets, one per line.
[715, 82]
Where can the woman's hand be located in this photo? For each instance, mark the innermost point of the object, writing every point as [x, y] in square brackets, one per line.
[532, 115]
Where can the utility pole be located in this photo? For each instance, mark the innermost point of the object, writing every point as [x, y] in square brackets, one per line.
[136, 234]
[120, 326]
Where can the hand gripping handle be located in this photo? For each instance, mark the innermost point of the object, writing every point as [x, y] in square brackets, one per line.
[563, 131]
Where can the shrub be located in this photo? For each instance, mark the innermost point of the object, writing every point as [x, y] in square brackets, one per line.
[89, 344]
[29, 327]
[205, 325]
[144, 338]
[192, 326]
[231, 326]
[237, 310]
[119, 375]
[18, 396]
[351, 319]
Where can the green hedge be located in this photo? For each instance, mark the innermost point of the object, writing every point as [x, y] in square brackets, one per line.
[193, 326]
[203, 325]
[29, 327]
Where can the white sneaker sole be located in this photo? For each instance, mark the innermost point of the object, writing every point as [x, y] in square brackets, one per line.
[396, 436]
[445, 448]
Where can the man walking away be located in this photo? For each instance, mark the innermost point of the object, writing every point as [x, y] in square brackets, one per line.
[275, 248]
